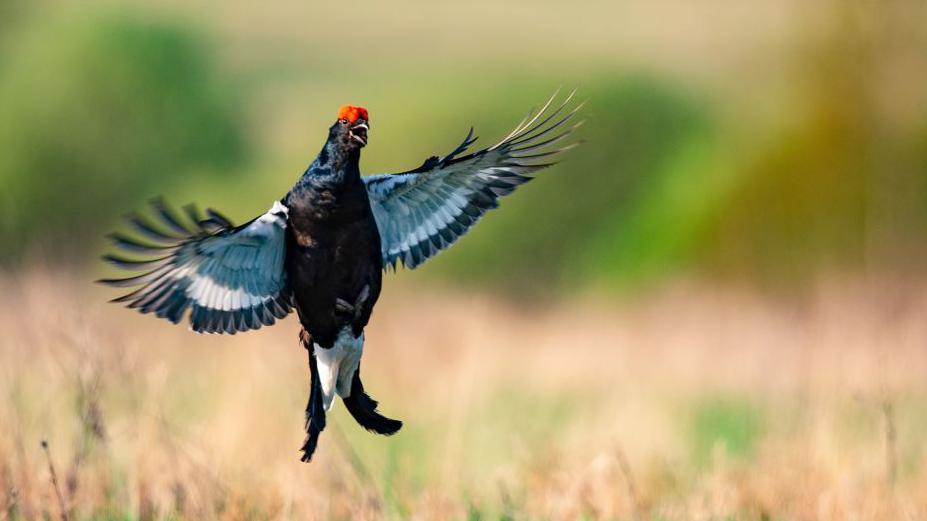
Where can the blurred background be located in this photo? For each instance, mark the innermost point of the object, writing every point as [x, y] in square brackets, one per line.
[716, 308]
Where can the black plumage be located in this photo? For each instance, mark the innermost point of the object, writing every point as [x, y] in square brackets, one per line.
[321, 250]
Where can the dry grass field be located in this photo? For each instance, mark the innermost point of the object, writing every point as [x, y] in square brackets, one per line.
[689, 403]
[763, 143]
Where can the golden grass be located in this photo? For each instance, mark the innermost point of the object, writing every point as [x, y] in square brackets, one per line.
[691, 403]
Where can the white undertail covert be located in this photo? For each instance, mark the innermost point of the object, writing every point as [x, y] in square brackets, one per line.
[337, 365]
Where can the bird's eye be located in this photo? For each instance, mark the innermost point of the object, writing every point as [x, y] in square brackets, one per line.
[344, 121]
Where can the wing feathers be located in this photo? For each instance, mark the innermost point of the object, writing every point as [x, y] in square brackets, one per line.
[231, 279]
[423, 211]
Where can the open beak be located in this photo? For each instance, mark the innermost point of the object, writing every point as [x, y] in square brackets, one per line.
[359, 132]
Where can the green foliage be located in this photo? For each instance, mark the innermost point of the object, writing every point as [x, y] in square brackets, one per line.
[840, 183]
[733, 425]
[99, 113]
[668, 154]
[10, 13]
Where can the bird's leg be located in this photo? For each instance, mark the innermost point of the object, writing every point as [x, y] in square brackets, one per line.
[315, 411]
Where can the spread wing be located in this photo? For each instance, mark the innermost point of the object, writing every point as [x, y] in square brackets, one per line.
[230, 278]
[423, 211]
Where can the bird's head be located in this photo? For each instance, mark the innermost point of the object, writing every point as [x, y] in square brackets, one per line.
[350, 130]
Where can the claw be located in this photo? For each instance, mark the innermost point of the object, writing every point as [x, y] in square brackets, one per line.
[342, 306]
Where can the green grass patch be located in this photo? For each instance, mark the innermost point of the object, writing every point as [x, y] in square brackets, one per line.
[731, 425]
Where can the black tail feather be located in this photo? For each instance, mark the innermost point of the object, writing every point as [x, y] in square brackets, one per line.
[315, 409]
[364, 410]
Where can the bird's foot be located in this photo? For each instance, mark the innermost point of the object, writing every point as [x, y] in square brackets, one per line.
[344, 307]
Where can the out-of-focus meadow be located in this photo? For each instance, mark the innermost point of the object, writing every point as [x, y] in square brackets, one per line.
[715, 308]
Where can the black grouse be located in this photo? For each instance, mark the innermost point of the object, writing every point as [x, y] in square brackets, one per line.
[322, 249]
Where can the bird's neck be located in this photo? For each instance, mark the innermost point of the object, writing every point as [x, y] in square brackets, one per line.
[336, 164]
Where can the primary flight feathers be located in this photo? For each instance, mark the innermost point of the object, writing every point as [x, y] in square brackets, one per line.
[423, 211]
[230, 278]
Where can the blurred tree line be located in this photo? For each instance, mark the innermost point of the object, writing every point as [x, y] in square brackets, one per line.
[842, 182]
[102, 111]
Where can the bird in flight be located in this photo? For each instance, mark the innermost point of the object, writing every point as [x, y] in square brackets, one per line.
[322, 248]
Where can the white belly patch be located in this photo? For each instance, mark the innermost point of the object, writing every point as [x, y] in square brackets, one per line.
[337, 365]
